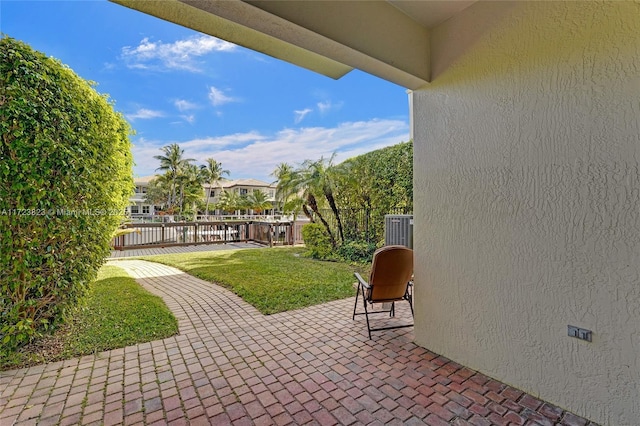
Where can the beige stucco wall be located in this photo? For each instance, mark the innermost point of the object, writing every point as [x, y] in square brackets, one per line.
[527, 202]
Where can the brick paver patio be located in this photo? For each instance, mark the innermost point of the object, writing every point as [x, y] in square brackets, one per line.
[232, 365]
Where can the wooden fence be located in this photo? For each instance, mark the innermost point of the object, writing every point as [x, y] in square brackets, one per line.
[149, 235]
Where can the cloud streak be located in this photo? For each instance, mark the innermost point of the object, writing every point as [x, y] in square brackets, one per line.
[179, 55]
[184, 105]
[326, 106]
[255, 155]
[299, 115]
[144, 114]
[218, 97]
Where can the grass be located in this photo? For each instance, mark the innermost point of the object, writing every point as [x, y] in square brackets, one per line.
[271, 279]
[117, 312]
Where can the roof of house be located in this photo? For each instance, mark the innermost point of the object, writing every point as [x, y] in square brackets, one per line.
[143, 179]
[225, 183]
[243, 182]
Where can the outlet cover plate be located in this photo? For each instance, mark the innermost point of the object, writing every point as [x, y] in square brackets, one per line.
[579, 333]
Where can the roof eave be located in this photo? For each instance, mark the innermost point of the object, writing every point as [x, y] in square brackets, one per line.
[294, 34]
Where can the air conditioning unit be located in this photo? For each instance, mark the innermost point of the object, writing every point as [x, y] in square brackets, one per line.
[398, 230]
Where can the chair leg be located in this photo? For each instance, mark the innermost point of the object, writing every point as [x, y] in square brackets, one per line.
[364, 303]
[366, 314]
[356, 304]
[410, 300]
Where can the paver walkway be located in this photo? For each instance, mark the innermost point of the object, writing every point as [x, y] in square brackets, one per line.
[230, 364]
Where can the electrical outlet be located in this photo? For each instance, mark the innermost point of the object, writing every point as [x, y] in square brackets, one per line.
[580, 333]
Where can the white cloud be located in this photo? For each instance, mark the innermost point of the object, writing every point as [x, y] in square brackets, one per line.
[301, 114]
[323, 107]
[255, 155]
[217, 97]
[184, 105]
[326, 106]
[233, 141]
[144, 114]
[189, 118]
[180, 54]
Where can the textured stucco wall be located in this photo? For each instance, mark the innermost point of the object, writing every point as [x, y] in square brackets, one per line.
[527, 203]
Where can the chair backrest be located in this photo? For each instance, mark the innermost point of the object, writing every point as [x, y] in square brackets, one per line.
[391, 271]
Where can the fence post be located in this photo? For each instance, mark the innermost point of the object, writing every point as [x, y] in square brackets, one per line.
[291, 232]
[195, 232]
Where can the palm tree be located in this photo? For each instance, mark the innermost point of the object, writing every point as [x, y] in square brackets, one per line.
[189, 180]
[285, 183]
[170, 163]
[289, 191]
[212, 172]
[258, 201]
[305, 182]
[318, 179]
[159, 191]
[230, 201]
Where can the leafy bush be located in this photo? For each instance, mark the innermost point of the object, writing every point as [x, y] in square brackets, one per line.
[357, 251]
[65, 178]
[372, 185]
[317, 242]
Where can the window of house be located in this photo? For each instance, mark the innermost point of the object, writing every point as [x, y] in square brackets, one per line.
[134, 210]
[212, 193]
[243, 191]
[145, 209]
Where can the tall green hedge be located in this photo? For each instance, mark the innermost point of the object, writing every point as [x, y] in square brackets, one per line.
[379, 182]
[380, 179]
[65, 178]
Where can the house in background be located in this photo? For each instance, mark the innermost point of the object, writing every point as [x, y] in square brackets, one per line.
[526, 129]
[140, 208]
[242, 187]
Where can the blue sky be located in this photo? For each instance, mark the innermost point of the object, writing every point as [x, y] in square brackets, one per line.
[215, 99]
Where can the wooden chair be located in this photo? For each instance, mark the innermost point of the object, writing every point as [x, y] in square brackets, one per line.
[390, 281]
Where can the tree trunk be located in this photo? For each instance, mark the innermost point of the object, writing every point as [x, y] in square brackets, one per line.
[206, 208]
[307, 213]
[314, 206]
[332, 203]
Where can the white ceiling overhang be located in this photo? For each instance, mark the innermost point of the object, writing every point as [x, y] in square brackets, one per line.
[389, 39]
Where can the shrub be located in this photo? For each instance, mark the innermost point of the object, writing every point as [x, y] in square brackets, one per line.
[65, 177]
[357, 251]
[317, 242]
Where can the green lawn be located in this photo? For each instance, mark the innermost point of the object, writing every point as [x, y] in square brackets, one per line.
[117, 312]
[271, 279]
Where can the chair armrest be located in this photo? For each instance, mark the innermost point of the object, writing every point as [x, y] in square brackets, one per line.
[362, 281]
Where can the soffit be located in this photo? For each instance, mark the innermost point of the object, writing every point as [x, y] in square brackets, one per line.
[431, 13]
[389, 39]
